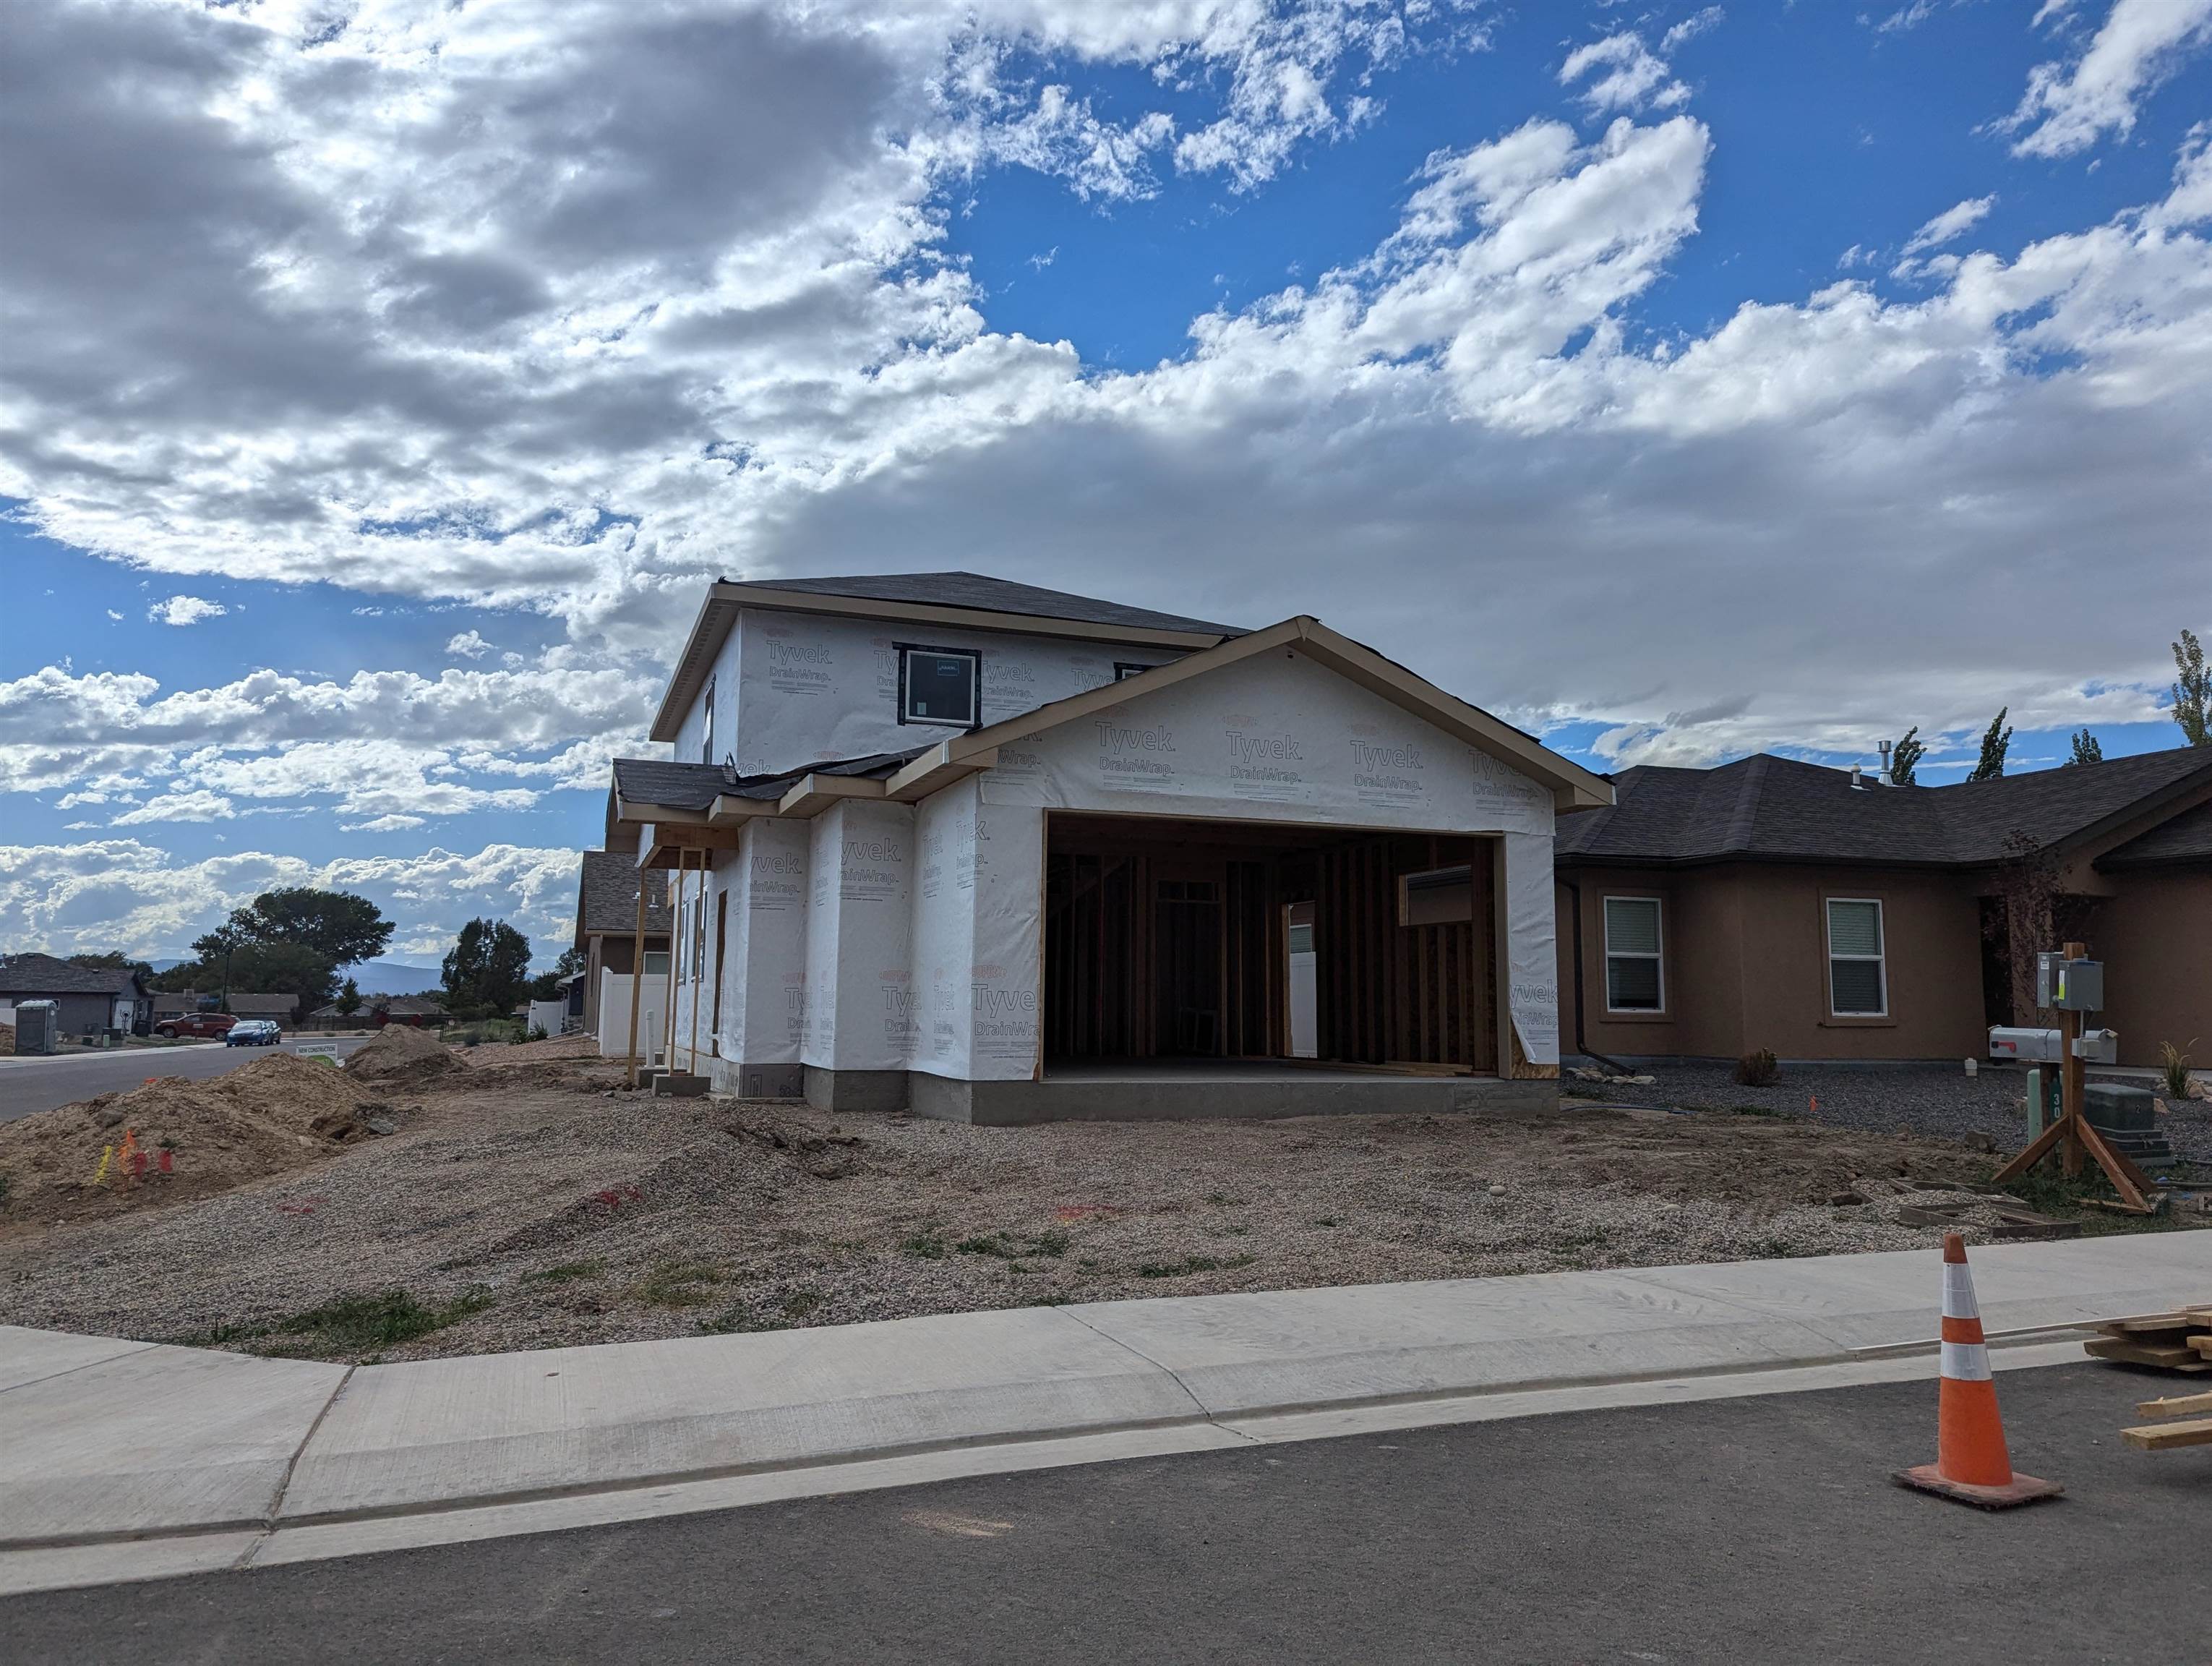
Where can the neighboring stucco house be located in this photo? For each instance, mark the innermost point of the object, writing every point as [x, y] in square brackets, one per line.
[608, 890]
[88, 1001]
[1002, 853]
[172, 1003]
[1775, 904]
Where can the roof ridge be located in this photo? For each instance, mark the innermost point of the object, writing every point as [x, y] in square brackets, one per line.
[1744, 817]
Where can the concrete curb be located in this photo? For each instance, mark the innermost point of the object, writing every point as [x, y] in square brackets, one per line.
[131, 1459]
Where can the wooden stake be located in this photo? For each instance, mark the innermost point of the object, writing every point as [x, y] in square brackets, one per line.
[2074, 1127]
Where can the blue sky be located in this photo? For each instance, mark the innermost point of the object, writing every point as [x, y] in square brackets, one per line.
[1682, 381]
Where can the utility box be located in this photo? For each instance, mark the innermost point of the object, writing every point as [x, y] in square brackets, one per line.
[38, 1026]
[2098, 1046]
[2025, 1046]
[2117, 1108]
[2069, 986]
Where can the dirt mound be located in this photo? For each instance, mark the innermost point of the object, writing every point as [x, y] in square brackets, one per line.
[172, 1139]
[402, 1056]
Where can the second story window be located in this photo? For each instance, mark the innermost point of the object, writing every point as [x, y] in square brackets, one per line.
[707, 729]
[941, 685]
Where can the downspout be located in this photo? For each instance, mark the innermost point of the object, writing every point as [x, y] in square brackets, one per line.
[1582, 1046]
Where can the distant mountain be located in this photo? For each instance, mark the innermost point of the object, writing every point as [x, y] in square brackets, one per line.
[392, 977]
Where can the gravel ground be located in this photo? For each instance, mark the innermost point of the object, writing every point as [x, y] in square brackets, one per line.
[535, 1206]
[1937, 1100]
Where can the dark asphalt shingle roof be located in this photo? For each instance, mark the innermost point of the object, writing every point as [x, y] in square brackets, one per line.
[989, 595]
[606, 897]
[697, 786]
[1776, 809]
[35, 975]
[2187, 837]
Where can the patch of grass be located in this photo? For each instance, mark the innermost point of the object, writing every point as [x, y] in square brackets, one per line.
[1190, 1264]
[1005, 1246]
[1329, 1220]
[740, 1317]
[566, 1273]
[923, 1246]
[2046, 1190]
[678, 1284]
[1763, 1110]
[7, 1184]
[364, 1324]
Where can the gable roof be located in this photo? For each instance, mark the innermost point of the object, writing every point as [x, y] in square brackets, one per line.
[972, 601]
[1765, 808]
[2186, 838]
[34, 975]
[607, 892]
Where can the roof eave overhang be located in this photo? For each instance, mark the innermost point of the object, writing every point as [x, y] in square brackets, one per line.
[726, 600]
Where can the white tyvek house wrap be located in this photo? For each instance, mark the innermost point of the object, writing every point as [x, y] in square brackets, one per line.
[1280, 737]
[857, 935]
[977, 936]
[944, 931]
[811, 689]
[764, 975]
[1532, 965]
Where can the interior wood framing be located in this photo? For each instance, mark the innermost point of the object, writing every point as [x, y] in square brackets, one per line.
[1168, 938]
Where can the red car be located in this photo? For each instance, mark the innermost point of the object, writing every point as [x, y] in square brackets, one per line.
[205, 1024]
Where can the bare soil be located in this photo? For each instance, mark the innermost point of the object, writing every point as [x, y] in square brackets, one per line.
[527, 1204]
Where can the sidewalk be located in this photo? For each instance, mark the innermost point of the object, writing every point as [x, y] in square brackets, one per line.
[123, 1460]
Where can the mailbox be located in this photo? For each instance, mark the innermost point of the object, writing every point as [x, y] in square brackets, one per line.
[2025, 1046]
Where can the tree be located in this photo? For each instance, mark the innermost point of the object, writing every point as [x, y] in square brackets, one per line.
[1995, 739]
[546, 986]
[1906, 757]
[2192, 690]
[343, 927]
[110, 961]
[2085, 749]
[348, 1000]
[487, 971]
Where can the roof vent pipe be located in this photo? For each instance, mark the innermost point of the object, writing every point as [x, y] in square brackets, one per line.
[1858, 784]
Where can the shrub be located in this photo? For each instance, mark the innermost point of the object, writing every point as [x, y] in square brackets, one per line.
[2174, 1066]
[1757, 1069]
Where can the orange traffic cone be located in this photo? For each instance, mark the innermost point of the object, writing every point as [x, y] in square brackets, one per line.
[1971, 1464]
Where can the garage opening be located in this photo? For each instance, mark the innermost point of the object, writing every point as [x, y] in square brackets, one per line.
[1255, 942]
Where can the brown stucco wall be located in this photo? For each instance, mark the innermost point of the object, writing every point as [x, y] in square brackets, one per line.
[1745, 964]
[2154, 932]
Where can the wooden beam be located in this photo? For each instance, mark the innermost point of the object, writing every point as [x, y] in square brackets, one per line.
[813, 794]
[2161, 1437]
[936, 769]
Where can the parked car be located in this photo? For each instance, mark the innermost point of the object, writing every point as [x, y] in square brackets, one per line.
[254, 1032]
[206, 1025]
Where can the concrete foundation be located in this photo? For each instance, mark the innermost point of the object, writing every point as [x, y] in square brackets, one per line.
[855, 1090]
[759, 1081]
[1197, 1089]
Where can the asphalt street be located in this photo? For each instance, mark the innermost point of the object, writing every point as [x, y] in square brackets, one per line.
[28, 1085]
[1758, 1529]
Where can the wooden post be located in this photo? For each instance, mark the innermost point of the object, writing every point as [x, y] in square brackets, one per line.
[636, 976]
[2073, 1074]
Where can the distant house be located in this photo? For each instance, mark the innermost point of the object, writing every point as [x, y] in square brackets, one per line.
[607, 894]
[171, 1003]
[377, 1010]
[90, 1000]
[1775, 904]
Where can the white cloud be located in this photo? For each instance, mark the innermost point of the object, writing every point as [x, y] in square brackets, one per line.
[1629, 76]
[1690, 27]
[197, 805]
[469, 646]
[448, 309]
[185, 610]
[121, 893]
[1954, 223]
[2068, 106]
[113, 615]
[384, 825]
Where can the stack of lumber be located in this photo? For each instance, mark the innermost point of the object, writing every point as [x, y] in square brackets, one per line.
[2189, 1432]
[2180, 1340]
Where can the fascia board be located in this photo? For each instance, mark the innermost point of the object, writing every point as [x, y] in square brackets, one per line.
[812, 794]
[935, 770]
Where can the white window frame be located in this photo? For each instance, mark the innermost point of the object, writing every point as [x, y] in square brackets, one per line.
[1881, 959]
[974, 657]
[1658, 956]
[707, 725]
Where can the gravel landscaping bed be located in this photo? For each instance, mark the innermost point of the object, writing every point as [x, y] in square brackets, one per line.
[536, 1206]
[1933, 1099]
